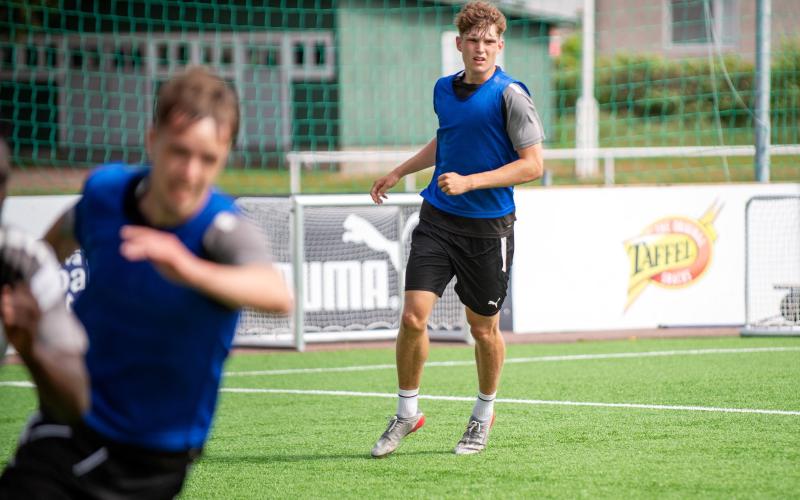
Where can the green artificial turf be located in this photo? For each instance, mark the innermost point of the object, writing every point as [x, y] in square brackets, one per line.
[282, 445]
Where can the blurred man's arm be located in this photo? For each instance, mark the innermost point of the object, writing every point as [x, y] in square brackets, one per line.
[238, 273]
[55, 363]
[61, 235]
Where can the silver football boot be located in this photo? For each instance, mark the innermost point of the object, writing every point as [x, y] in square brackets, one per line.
[398, 429]
[475, 437]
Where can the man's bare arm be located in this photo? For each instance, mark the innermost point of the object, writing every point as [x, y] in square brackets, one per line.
[257, 285]
[59, 373]
[61, 235]
[425, 157]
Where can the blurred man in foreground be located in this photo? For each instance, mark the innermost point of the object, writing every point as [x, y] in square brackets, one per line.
[171, 263]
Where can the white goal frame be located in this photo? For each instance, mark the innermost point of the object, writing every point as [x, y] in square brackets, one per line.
[773, 325]
[297, 337]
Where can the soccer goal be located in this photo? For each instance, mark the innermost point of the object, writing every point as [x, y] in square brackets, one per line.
[344, 257]
[772, 279]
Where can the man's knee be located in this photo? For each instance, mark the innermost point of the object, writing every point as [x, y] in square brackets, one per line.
[414, 322]
[485, 333]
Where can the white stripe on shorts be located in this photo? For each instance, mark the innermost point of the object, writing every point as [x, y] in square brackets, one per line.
[503, 251]
[50, 431]
[34, 419]
[91, 462]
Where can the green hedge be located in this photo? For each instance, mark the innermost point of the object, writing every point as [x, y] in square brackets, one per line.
[650, 86]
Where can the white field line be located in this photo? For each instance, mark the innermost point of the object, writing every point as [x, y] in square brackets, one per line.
[14, 383]
[499, 400]
[515, 401]
[539, 359]
[471, 399]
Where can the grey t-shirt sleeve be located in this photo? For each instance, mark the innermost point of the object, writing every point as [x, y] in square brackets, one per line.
[232, 239]
[523, 124]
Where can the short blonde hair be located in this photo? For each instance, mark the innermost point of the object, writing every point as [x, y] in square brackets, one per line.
[480, 15]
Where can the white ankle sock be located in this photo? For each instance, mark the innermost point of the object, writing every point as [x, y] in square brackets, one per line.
[407, 402]
[484, 407]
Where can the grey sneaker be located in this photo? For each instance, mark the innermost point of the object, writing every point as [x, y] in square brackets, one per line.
[398, 429]
[475, 438]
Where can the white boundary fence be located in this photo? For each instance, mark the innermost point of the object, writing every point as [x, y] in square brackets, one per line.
[554, 275]
[299, 158]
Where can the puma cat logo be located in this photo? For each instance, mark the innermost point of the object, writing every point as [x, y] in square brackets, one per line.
[359, 230]
[494, 302]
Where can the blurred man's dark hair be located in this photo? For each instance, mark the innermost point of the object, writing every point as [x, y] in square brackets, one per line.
[5, 169]
[5, 161]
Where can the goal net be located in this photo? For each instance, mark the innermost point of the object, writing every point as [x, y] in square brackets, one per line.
[772, 282]
[346, 258]
[78, 79]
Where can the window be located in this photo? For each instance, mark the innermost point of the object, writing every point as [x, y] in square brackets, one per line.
[702, 22]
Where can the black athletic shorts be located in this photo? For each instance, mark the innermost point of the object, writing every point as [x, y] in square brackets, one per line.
[56, 461]
[481, 266]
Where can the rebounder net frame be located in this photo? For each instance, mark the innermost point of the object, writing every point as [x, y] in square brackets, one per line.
[772, 266]
[345, 260]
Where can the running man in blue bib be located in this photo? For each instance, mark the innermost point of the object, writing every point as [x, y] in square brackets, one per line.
[489, 140]
[171, 262]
